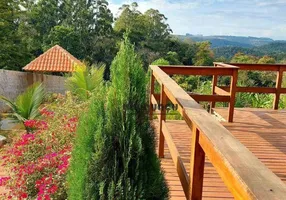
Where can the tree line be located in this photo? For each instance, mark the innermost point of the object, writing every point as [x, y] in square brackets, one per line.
[89, 31]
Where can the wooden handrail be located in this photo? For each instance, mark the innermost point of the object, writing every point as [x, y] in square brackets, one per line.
[279, 68]
[243, 174]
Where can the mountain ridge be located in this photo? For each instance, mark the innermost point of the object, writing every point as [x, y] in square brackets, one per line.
[229, 40]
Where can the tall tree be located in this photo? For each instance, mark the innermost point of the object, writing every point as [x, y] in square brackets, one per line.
[117, 158]
[148, 31]
[204, 55]
[40, 18]
[12, 51]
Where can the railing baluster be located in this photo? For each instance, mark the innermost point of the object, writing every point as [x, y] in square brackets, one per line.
[163, 103]
[232, 95]
[152, 85]
[214, 84]
[278, 88]
[197, 167]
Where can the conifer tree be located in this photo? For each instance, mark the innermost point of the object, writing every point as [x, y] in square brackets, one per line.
[123, 162]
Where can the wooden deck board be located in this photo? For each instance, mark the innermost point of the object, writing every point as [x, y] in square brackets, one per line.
[262, 131]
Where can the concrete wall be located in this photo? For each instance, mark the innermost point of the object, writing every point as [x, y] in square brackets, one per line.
[13, 83]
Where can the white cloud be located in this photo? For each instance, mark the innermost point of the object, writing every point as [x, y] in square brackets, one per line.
[271, 3]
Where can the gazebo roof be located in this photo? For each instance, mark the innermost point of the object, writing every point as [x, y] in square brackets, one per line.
[55, 59]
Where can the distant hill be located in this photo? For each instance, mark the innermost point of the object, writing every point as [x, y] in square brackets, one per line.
[277, 49]
[228, 41]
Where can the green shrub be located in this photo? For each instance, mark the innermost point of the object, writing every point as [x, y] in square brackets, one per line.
[85, 80]
[26, 105]
[117, 140]
[89, 128]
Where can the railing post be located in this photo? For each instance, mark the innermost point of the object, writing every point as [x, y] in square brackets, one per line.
[232, 95]
[278, 88]
[214, 84]
[197, 167]
[152, 85]
[163, 103]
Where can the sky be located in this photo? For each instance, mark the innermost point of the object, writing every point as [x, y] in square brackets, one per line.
[258, 18]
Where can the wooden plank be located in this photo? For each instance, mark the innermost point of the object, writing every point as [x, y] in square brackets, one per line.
[265, 140]
[162, 118]
[214, 84]
[257, 67]
[278, 88]
[182, 173]
[283, 90]
[210, 98]
[154, 101]
[220, 64]
[220, 91]
[251, 89]
[197, 167]
[233, 83]
[152, 85]
[241, 171]
[157, 97]
[197, 70]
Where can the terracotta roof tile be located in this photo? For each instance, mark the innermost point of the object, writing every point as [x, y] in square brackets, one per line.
[56, 59]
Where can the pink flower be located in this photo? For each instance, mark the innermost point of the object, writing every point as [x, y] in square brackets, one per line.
[3, 180]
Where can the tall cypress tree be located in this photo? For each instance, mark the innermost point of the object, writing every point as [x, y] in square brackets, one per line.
[123, 162]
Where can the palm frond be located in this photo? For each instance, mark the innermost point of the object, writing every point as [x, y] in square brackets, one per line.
[27, 104]
[84, 80]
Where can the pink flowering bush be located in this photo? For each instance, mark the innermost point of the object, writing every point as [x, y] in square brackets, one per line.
[38, 160]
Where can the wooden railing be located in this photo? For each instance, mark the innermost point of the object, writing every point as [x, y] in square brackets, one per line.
[243, 174]
[278, 90]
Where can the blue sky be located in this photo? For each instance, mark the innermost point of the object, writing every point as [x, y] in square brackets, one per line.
[261, 18]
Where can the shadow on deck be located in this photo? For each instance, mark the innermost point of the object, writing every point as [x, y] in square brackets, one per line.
[262, 131]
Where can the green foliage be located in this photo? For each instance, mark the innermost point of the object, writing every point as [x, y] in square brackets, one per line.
[253, 100]
[266, 60]
[84, 28]
[117, 140]
[204, 55]
[160, 61]
[221, 59]
[65, 37]
[188, 83]
[88, 131]
[185, 49]
[26, 105]
[85, 80]
[13, 53]
[148, 31]
[243, 58]
[173, 115]
[277, 50]
[173, 58]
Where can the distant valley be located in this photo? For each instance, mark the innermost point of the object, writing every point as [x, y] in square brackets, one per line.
[228, 46]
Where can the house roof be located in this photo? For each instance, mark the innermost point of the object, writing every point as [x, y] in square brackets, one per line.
[55, 59]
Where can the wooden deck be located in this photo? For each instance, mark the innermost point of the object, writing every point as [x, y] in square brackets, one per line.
[262, 131]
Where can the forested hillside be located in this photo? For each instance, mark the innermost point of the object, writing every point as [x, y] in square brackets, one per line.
[275, 49]
[234, 41]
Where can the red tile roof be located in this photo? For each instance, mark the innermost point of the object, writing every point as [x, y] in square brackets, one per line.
[56, 59]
